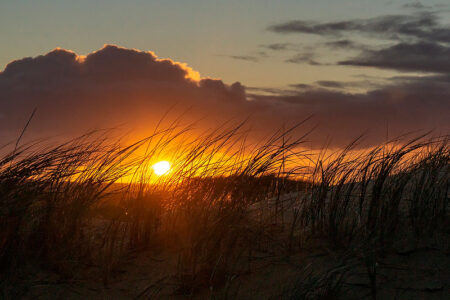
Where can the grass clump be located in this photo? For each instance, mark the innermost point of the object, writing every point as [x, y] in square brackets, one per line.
[225, 204]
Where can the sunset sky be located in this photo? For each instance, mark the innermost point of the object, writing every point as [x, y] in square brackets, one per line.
[356, 66]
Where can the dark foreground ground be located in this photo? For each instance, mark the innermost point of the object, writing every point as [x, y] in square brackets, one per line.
[409, 270]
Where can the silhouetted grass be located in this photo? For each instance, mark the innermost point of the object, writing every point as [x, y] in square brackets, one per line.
[69, 207]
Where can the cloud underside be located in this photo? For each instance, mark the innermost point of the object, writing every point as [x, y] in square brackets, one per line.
[132, 89]
[417, 42]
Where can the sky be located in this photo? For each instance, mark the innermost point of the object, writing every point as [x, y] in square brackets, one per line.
[354, 65]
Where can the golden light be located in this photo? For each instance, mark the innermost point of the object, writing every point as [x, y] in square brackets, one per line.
[161, 168]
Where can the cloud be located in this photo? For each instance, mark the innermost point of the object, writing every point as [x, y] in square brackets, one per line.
[331, 84]
[420, 42]
[245, 57]
[344, 44]
[418, 57]
[132, 89]
[279, 46]
[264, 90]
[107, 88]
[304, 58]
[255, 56]
[423, 26]
[350, 85]
[415, 5]
[301, 86]
[406, 105]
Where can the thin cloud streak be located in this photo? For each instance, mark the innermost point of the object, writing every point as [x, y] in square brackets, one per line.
[417, 57]
[423, 26]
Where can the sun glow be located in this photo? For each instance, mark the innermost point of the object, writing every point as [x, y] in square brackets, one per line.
[161, 168]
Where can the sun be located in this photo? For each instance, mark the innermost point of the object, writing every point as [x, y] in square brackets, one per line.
[161, 168]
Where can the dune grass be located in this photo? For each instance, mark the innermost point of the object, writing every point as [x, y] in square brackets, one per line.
[67, 207]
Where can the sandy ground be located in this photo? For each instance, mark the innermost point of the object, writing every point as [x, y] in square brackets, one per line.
[410, 269]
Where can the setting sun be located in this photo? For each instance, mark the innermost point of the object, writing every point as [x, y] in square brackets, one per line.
[161, 168]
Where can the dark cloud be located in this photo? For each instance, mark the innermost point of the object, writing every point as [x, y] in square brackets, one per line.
[419, 57]
[304, 58]
[301, 86]
[415, 5]
[361, 84]
[123, 87]
[406, 105]
[260, 90]
[344, 44]
[423, 26]
[422, 43]
[350, 85]
[331, 84]
[107, 88]
[279, 46]
[255, 56]
[245, 57]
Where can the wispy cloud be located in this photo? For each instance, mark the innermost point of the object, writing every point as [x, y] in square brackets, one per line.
[279, 46]
[423, 25]
[415, 5]
[418, 42]
[244, 57]
[417, 57]
[304, 58]
[345, 44]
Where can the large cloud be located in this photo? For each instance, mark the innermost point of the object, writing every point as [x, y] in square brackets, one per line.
[110, 87]
[133, 89]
